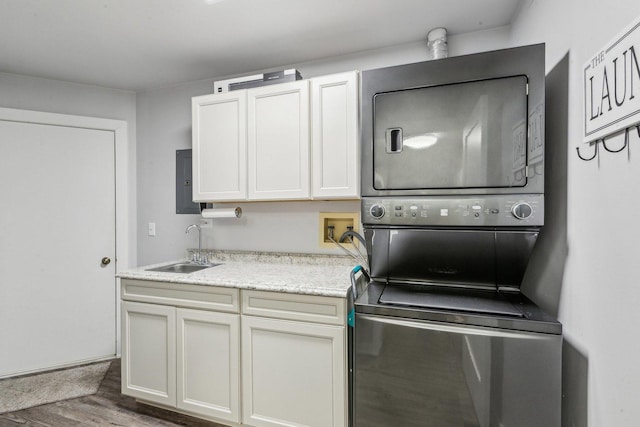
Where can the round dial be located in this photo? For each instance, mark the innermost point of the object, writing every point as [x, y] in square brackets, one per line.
[521, 210]
[377, 211]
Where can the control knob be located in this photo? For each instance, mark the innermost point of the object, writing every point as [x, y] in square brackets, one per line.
[377, 211]
[521, 210]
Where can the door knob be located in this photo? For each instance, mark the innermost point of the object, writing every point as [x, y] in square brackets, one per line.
[106, 260]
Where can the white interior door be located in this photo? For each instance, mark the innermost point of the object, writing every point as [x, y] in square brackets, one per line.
[57, 222]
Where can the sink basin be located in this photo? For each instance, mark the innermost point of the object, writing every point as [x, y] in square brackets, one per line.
[181, 267]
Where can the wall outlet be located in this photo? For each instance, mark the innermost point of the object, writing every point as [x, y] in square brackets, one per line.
[206, 223]
[334, 224]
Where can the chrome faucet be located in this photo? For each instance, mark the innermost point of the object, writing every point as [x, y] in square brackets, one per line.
[197, 258]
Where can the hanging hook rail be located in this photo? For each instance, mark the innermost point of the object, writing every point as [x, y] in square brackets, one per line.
[597, 142]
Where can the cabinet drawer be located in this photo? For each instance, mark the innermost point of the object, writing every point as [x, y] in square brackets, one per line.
[181, 295]
[308, 308]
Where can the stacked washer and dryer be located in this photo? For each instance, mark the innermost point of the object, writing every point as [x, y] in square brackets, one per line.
[452, 206]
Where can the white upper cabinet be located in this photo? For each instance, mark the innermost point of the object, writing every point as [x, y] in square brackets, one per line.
[288, 141]
[336, 172]
[278, 141]
[220, 147]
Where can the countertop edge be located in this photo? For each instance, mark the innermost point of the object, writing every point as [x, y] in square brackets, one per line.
[278, 277]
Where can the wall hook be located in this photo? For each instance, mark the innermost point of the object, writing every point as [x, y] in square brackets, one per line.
[595, 152]
[626, 143]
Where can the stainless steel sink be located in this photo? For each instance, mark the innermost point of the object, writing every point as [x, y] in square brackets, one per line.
[181, 267]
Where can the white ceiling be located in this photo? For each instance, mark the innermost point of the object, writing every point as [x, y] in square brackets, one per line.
[141, 44]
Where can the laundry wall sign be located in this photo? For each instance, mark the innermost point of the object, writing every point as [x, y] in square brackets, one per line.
[612, 86]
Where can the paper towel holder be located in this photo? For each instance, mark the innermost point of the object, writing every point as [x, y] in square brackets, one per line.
[222, 212]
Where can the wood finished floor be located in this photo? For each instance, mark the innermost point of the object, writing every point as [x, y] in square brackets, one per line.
[108, 407]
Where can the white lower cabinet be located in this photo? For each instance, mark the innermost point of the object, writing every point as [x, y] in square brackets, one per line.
[149, 352]
[182, 358]
[281, 363]
[293, 373]
[208, 376]
[293, 360]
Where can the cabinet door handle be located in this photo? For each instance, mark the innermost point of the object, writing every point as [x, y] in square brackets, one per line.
[105, 261]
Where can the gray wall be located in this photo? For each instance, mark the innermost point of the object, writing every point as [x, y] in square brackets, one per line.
[164, 126]
[587, 271]
[53, 96]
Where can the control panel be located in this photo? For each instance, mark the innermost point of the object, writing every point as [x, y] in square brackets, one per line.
[497, 210]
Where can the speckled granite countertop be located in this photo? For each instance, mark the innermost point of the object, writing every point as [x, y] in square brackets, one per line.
[324, 275]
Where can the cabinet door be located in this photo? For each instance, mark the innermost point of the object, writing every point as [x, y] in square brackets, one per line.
[209, 363]
[148, 352]
[278, 141]
[334, 105]
[293, 373]
[219, 147]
